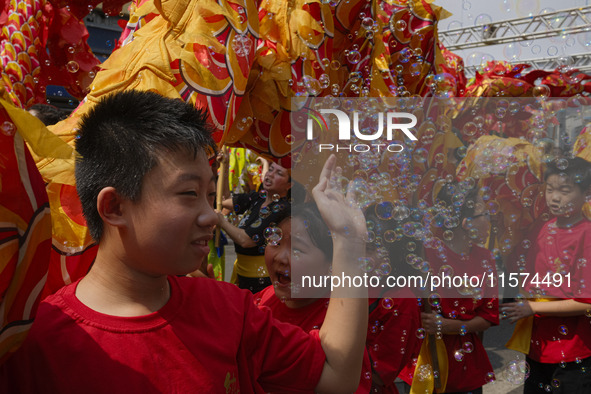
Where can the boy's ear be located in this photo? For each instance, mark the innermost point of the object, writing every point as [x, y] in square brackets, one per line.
[108, 204]
[465, 224]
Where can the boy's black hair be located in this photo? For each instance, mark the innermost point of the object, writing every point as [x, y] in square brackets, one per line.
[297, 192]
[460, 199]
[315, 226]
[120, 140]
[576, 169]
[397, 249]
[47, 113]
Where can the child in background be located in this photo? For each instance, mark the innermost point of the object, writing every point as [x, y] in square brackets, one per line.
[131, 325]
[459, 320]
[556, 334]
[308, 237]
[394, 325]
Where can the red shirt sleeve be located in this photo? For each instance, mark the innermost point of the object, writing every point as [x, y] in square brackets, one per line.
[488, 309]
[282, 356]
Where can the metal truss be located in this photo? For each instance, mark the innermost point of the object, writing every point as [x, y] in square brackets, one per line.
[552, 24]
[581, 61]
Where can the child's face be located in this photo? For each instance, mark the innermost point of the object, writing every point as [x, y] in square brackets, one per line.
[309, 259]
[171, 223]
[277, 180]
[563, 197]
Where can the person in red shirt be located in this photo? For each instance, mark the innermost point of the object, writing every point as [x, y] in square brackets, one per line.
[306, 236]
[394, 326]
[460, 313]
[130, 325]
[553, 325]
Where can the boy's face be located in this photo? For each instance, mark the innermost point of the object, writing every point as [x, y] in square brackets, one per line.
[563, 196]
[309, 259]
[172, 222]
[278, 262]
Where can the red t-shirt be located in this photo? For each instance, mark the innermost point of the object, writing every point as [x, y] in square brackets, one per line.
[562, 251]
[309, 317]
[468, 365]
[392, 340]
[209, 337]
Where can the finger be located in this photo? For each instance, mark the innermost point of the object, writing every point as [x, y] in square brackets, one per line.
[334, 181]
[328, 167]
[210, 273]
[350, 195]
[325, 175]
[334, 195]
[506, 308]
[320, 186]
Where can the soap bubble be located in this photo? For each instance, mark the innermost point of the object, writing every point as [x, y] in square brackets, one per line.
[387, 303]
[420, 333]
[541, 91]
[312, 85]
[400, 25]
[384, 210]
[516, 371]
[72, 66]
[434, 300]
[512, 52]
[527, 7]
[241, 45]
[468, 347]
[585, 37]
[353, 57]
[8, 128]
[273, 235]
[483, 20]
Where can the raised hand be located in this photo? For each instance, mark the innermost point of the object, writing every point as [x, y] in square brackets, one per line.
[341, 213]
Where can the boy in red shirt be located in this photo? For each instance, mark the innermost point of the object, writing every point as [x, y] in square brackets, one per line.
[306, 234]
[460, 313]
[132, 325]
[394, 325]
[556, 334]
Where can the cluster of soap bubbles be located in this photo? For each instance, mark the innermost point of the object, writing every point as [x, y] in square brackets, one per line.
[515, 371]
[424, 372]
[390, 181]
[513, 52]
